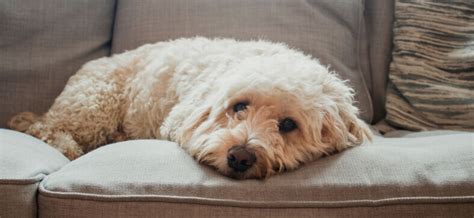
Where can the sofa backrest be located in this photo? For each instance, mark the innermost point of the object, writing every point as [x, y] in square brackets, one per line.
[379, 17]
[332, 31]
[42, 43]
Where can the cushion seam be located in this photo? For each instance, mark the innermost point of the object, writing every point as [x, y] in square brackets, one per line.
[242, 203]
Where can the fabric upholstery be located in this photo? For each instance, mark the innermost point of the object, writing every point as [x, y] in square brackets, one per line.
[24, 162]
[66, 207]
[432, 72]
[410, 134]
[158, 174]
[18, 200]
[379, 17]
[42, 43]
[332, 31]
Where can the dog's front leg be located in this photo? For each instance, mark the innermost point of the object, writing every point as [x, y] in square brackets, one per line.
[89, 110]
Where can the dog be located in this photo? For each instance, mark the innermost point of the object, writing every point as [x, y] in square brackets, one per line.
[249, 109]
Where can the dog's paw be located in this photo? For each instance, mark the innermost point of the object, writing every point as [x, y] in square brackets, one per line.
[22, 121]
[73, 153]
[117, 137]
[64, 142]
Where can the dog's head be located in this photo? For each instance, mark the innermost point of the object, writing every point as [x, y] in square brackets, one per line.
[268, 115]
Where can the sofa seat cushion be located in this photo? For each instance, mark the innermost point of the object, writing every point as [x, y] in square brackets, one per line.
[151, 177]
[24, 162]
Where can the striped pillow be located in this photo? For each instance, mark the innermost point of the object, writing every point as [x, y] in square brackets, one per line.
[431, 78]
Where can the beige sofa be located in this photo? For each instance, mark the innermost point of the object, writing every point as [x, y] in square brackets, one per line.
[42, 43]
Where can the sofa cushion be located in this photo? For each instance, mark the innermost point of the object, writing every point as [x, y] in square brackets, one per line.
[332, 31]
[426, 174]
[42, 43]
[432, 71]
[24, 162]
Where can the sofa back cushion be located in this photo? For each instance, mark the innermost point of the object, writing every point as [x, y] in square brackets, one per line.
[332, 31]
[42, 43]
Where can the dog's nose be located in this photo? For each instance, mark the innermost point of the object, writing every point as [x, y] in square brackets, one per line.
[240, 159]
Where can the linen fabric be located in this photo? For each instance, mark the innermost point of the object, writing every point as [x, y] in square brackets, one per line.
[379, 18]
[42, 43]
[392, 173]
[24, 162]
[332, 31]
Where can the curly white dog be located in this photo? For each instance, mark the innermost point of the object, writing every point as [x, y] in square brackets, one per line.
[249, 109]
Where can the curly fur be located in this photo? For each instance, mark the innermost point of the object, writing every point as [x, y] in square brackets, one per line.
[184, 90]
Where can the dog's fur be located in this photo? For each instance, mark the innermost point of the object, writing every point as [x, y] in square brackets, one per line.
[184, 91]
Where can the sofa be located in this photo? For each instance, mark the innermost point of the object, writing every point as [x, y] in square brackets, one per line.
[42, 43]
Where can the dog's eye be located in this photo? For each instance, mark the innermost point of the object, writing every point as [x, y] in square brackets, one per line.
[287, 125]
[240, 106]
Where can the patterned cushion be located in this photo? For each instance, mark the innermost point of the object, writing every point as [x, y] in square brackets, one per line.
[432, 72]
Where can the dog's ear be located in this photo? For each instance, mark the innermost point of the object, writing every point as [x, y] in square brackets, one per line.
[341, 130]
[358, 130]
[191, 123]
[184, 117]
[188, 115]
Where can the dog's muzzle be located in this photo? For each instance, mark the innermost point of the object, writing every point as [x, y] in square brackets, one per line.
[240, 159]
